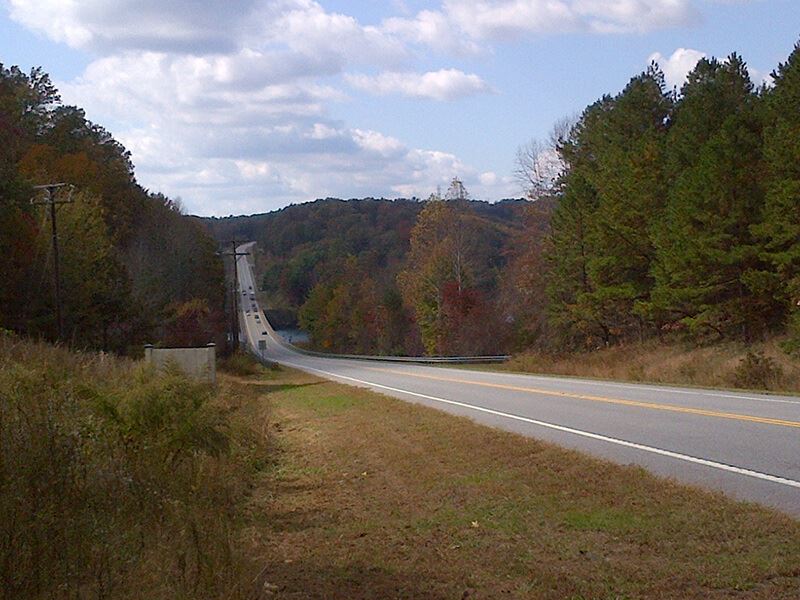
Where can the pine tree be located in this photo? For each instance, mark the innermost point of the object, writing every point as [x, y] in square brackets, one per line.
[613, 193]
[780, 230]
[707, 257]
[567, 252]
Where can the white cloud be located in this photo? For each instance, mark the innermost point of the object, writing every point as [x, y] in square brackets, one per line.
[677, 66]
[433, 29]
[231, 105]
[168, 25]
[632, 16]
[488, 178]
[445, 84]
[499, 19]
[460, 25]
[760, 77]
[373, 141]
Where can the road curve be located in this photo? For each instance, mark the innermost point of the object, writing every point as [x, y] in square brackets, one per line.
[746, 445]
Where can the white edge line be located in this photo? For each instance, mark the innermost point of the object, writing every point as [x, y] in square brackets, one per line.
[579, 432]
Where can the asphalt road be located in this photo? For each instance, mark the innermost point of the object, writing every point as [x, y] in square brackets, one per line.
[746, 445]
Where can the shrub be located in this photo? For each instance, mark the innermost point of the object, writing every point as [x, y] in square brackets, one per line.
[243, 364]
[757, 371]
[117, 481]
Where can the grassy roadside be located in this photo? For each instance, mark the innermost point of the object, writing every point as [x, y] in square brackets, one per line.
[761, 366]
[372, 497]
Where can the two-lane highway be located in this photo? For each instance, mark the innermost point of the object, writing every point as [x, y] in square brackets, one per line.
[747, 445]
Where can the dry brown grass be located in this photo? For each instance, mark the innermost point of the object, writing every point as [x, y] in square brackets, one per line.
[117, 482]
[721, 366]
[372, 497]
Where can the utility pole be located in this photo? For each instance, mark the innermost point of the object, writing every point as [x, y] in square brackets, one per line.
[235, 292]
[50, 200]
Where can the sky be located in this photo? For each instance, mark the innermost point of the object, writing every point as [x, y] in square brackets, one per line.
[246, 106]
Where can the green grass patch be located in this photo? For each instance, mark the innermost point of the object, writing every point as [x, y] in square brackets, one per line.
[322, 404]
[603, 519]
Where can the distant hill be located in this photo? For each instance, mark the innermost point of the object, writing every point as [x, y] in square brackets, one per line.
[304, 245]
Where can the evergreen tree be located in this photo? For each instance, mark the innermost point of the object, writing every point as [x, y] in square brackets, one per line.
[613, 193]
[707, 257]
[575, 320]
[780, 230]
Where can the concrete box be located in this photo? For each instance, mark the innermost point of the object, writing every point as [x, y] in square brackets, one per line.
[198, 363]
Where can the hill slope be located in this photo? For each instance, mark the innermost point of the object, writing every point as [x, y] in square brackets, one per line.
[319, 260]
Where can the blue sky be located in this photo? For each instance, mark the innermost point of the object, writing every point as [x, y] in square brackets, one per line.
[245, 106]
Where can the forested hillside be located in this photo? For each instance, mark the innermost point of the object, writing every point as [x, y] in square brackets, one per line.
[676, 215]
[680, 213]
[336, 265]
[133, 268]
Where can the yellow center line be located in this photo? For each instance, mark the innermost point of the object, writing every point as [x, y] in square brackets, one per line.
[604, 399]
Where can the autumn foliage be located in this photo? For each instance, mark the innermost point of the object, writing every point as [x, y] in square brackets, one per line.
[128, 256]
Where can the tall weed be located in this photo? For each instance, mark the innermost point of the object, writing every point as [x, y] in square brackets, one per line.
[116, 481]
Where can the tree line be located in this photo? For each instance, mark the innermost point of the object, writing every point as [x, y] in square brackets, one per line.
[342, 270]
[133, 268]
[678, 212]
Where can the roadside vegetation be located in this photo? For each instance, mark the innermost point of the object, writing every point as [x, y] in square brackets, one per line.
[241, 363]
[117, 482]
[757, 366]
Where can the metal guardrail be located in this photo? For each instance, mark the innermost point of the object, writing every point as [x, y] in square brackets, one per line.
[453, 360]
[407, 359]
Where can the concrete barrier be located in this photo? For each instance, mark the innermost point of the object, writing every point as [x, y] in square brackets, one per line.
[198, 363]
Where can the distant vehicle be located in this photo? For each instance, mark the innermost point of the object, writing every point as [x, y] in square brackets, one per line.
[263, 333]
